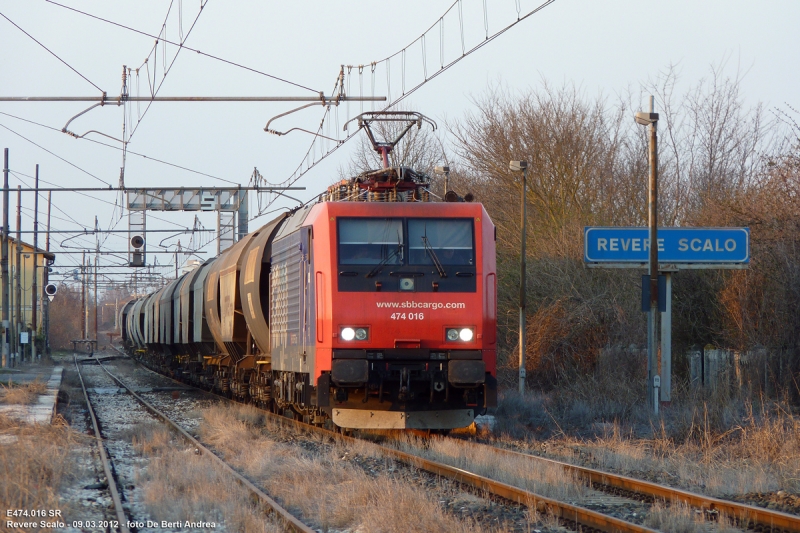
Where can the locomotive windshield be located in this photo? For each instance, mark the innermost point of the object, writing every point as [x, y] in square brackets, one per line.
[370, 241]
[382, 241]
[448, 241]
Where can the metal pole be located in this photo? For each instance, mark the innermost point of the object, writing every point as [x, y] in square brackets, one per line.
[148, 191]
[46, 279]
[96, 336]
[244, 215]
[34, 285]
[323, 100]
[666, 345]
[522, 285]
[83, 296]
[652, 327]
[4, 264]
[20, 322]
[96, 257]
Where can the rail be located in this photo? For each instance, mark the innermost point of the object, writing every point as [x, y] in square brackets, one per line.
[104, 459]
[292, 523]
[748, 516]
[586, 520]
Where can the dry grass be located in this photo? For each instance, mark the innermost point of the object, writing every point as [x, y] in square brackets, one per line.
[179, 485]
[34, 463]
[679, 518]
[149, 438]
[22, 394]
[718, 443]
[332, 487]
[7, 422]
[543, 479]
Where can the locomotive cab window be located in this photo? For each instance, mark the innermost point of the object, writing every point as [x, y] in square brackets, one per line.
[371, 241]
[446, 241]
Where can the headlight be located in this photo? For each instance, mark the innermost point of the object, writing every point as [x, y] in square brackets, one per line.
[349, 334]
[459, 334]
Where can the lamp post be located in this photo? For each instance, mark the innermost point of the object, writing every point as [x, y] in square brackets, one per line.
[651, 120]
[516, 166]
[445, 171]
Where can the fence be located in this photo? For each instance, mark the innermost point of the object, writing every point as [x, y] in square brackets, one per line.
[770, 372]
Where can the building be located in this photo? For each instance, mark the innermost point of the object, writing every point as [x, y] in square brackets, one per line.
[20, 290]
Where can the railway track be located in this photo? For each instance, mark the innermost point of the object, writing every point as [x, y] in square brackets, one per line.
[291, 522]
[748, 516]
[579, 518]
[105, 460]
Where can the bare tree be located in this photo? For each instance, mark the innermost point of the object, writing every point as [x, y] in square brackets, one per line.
[721, 162]
[65, 323]
[712, 146]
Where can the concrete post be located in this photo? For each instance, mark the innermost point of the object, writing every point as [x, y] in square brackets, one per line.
[666, 345]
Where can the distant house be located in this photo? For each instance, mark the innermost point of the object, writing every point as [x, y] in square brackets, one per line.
[43, 260]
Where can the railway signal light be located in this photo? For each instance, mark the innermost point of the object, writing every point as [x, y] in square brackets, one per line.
[50, 290]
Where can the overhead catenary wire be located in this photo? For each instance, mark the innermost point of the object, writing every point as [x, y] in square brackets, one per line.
[55, 155]
[166, 69]
[210, 56]
[17, 175]
[300, 171]
[80, 235]
[69, 189]
[312, 158]
[114, 204]
[53, 54]
[130, 152]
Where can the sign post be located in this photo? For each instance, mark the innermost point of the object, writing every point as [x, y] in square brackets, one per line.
[651, 121]
[678, 249]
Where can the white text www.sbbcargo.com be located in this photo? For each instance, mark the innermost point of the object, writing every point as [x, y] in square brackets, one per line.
[408, 304]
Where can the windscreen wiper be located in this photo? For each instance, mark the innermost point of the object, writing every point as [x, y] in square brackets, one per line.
[385, 260]
[436, 262]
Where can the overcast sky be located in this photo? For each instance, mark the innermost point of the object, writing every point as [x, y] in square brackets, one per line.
[608, 47]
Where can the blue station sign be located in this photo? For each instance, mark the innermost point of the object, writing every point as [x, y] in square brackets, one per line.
[675, 245]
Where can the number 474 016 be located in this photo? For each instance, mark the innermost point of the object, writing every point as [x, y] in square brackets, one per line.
[407, 316]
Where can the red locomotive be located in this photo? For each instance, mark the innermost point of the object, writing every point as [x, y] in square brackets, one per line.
[373, 308]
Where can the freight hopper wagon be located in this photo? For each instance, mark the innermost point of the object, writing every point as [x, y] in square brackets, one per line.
[372, 308]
